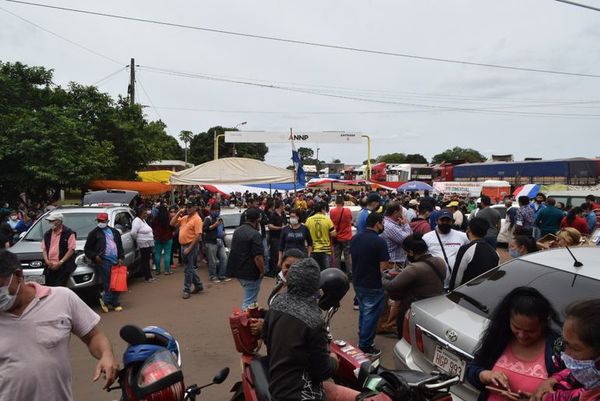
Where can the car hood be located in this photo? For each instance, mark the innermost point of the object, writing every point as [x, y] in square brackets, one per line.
[449, 321]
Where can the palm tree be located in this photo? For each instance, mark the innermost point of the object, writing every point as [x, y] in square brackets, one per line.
[186, 137]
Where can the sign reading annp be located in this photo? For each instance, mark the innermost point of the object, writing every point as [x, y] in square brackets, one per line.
[296, 136]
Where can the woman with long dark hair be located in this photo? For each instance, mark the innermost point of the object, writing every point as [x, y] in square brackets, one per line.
[575, 219]
[163, 239]
[517, 350]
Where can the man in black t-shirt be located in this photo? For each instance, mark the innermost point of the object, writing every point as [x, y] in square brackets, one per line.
[277, 221]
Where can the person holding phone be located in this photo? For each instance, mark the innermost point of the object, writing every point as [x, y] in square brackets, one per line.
[214, 231]
[517, 352]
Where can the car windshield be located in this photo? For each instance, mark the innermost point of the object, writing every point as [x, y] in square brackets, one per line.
[231, 220]
[482, 294]
[81, 223]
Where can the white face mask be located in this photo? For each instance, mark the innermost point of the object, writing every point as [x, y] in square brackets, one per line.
[54, 225]
[13, 217]
[293, 221]
[281, 276]
[6, 299]
[102, 225]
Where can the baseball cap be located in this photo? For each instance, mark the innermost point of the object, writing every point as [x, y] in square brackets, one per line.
[373, 197]
[413, 202]
[445, 214]
[55, 216]
[252, 214]
[102, 217]
[453, 204]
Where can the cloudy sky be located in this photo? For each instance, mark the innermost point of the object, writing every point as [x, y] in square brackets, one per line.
[406, 104]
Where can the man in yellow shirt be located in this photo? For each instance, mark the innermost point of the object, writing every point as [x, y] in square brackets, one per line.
[321, 231]
[190, 234]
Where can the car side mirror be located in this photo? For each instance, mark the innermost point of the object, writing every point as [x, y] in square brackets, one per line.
[22, 235]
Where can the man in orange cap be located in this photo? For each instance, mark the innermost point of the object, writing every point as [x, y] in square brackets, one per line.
[104, 247]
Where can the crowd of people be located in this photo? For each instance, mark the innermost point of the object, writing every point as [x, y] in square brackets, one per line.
[395, 248]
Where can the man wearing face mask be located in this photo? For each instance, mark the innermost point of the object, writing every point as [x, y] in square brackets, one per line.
[104, 247]
[36, 323]
[58, 250]
[444, 242]
[246, 261]
[370, 257]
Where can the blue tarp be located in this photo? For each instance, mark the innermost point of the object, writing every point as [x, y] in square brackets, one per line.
[278, 187]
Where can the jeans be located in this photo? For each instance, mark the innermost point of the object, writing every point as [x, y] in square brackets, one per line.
[216, 255]
[145, 254]
[266, 253]
[371, 303]
[251, 289]
[322, 259]
[190, 276]
[342, 247]
[159, 247]
[109, 297]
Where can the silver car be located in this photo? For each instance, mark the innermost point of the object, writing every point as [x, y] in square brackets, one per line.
[443, 332]
[81, 220]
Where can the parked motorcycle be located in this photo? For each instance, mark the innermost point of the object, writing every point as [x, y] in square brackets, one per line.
[152, 367]
[355, 369]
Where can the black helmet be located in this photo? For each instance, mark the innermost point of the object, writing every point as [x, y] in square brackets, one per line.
[334, 285]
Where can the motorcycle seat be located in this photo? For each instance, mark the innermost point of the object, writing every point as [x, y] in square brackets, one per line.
[259, 368]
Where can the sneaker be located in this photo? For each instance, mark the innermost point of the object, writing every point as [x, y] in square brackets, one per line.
[215, 280]
[185, 295]
[197, 289]
[103, 306]
[371, 351]
[355, 307]
[168, 273]
[225, 279]
[150, 280]
[118, 308]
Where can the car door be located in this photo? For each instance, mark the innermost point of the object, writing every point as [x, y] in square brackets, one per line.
[123, 220]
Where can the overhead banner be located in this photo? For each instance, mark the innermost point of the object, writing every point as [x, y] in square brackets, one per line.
[472, 189]
[296, 136]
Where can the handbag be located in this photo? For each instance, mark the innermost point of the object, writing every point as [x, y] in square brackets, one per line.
[118, 278]
[239, 321]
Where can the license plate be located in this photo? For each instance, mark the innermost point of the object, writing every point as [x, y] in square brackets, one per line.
[37, 279]
[449, 362]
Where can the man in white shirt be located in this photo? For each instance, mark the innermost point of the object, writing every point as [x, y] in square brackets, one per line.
[444, 242]
[36, 323]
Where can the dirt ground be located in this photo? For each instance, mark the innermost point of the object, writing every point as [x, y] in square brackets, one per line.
[200, 325]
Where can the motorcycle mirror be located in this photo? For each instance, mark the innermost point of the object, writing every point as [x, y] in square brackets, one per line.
[221, 376]
[132, 334]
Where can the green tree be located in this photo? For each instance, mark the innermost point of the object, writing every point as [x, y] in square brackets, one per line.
[392, 158]
[457, 153]
[337, 161]
[416, 158]
[305, 154]
[202, 147]
[373, 161]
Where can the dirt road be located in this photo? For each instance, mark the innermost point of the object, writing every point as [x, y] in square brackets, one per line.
[200, 325]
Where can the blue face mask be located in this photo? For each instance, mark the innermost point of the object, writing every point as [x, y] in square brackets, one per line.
[514, 253]
[585, 372]
[214, 215]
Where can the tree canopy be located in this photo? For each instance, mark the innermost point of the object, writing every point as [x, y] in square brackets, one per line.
[54, 137]
[457, 153]
[201, 147]
[415, 158]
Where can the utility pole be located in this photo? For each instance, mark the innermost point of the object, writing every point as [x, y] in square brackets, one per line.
[131, 87]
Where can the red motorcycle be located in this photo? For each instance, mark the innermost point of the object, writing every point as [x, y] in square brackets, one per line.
[355, 369]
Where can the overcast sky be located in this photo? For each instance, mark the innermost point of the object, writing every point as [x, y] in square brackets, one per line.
[527, 114]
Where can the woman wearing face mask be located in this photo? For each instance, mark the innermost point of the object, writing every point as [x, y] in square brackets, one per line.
[423, 277]
[294, 236]
[521, 245]
[581, 380]
[517, 350]
[143, 235]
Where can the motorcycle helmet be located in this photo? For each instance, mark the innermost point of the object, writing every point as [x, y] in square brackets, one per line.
[158, 378]
[334, 285]
[156, 339]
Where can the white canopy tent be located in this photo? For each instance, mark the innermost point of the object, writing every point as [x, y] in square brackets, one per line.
[233, 170]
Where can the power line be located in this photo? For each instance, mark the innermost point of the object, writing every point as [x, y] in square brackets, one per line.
[579, 5]
[429, 107]
[109, 76]
[104, 56]
[307, 43]
[138, 80]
